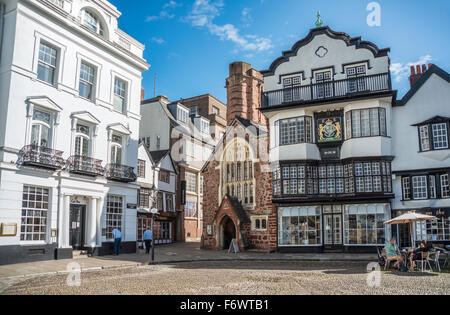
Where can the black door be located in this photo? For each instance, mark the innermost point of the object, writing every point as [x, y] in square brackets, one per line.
[332, 228]
[77, 229]
[229, 233]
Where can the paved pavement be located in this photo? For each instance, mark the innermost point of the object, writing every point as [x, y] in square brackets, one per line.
[175, 253]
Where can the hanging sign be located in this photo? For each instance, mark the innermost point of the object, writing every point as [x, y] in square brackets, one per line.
[183, 193]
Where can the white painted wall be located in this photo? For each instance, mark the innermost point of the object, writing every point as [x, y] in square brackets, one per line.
[27, 23]
[431, 100]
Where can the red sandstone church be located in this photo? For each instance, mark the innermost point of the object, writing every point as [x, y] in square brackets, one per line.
[238, 199]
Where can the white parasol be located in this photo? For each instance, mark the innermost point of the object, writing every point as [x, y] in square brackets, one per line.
[410, 218]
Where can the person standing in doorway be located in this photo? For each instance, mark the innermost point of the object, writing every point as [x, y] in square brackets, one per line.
[148, 237]
[117, 240]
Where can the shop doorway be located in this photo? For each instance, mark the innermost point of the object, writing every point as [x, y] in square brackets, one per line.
[332, 228]
[228, 232]
[77, 226]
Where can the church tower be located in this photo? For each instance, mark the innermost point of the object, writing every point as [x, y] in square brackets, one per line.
[244, 87]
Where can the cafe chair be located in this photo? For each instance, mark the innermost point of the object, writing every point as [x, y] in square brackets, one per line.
[424, 262]
[434, 257]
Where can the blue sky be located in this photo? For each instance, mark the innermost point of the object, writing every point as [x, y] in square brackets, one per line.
[190, 43]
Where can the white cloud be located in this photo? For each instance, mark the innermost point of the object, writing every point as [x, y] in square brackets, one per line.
[402, 71]
[164, 14]
[158, 40]
[172, 4]
[246, 17]
[203, 14]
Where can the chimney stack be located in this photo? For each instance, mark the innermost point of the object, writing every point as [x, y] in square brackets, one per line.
[142, 94]
[417, 72]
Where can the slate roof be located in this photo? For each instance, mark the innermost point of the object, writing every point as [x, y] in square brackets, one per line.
[238, 209]
[157, 156]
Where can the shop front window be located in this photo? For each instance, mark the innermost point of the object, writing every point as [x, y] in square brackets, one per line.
[433, 231]
[300, 226]
[364, 224]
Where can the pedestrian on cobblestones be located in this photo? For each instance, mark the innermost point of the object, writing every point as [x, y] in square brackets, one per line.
[148, 237]
[117, 240]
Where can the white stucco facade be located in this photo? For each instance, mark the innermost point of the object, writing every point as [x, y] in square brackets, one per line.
[92, 135]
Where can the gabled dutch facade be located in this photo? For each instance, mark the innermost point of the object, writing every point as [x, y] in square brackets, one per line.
[329, 105]
[69, 128]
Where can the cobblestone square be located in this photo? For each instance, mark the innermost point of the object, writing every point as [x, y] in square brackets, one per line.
[238, 278]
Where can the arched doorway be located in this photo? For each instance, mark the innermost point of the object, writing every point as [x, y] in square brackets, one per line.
[227, 232]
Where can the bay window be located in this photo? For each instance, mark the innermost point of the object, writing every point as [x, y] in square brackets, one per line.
[366, 123]
[191, 182]
[296, 130]
[445, 186]
[333, 178]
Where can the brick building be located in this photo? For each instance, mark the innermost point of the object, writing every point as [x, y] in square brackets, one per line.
[237, 177]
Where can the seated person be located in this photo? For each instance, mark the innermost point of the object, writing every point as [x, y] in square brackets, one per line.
[393, 253]
[417, 254]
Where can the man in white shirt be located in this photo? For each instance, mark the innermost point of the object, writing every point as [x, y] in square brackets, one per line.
[117, 240]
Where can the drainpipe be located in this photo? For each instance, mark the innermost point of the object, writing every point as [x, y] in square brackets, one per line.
[2, 27]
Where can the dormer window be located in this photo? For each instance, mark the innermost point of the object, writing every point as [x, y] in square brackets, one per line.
[182, 115]
[434, 134]
[205, 126]
[91, 21]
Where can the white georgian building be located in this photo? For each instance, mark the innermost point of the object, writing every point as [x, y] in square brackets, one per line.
[70, 85]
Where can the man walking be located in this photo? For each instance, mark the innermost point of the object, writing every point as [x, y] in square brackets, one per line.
[148, 237]
[117, 240]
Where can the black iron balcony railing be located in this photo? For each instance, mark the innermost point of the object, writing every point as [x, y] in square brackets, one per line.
[120, 173]
[42, 157]
[85, 166]
[328, 90]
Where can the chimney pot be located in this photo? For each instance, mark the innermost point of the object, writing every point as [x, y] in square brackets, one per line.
[419, 71]
[424, 68]
[413, 71]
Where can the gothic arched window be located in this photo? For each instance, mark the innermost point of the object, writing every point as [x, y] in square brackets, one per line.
[238, 174]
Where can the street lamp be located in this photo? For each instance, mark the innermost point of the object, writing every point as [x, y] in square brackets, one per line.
[154, 212]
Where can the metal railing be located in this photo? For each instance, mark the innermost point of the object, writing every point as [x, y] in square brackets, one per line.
[33, 155]
[120, 173]
[328, 90]
[85, 166]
